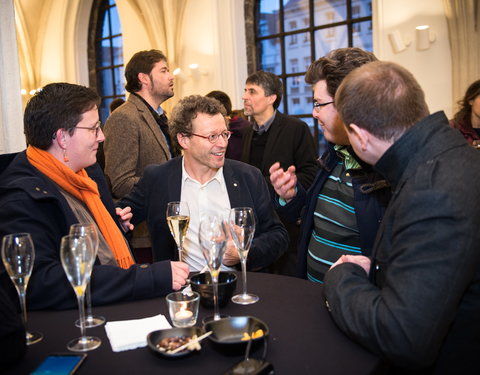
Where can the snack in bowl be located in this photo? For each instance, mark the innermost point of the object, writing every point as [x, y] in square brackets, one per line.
[167, 342]
[255, 335]
[229, 335]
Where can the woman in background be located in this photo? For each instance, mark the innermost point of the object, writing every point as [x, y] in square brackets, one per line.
[467, 119]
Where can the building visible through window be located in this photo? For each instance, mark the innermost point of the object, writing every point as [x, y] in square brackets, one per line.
[290, 34]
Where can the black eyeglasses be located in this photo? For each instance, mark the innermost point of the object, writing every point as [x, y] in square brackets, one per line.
[319, 106]
[214, 137]
[95, 128]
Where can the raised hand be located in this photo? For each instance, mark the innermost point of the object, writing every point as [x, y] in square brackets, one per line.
[284, 182]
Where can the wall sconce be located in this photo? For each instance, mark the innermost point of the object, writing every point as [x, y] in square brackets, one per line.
[195, 73]
[178, 73]
[398, 42]
[24, 92]
[424, 37]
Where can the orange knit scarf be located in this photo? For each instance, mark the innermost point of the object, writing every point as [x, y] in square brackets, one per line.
[85, 189]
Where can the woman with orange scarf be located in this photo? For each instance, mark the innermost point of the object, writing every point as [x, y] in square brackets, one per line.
[55, 183]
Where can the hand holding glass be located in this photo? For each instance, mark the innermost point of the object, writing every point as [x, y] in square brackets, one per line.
[242, 229]
[89, 230]
[78, 256]
[178, 218]
[212, 236]
[18, 256]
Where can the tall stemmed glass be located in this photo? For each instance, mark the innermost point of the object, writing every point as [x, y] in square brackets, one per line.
[89, 230]
[212, 236]
[18, 255]
[78, 256]
[242, 228]
[178, 218]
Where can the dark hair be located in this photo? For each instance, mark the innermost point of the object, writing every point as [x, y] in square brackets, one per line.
[141, 62]
[271, 84]
[383, 98]
[56, 106]
[465, 107]
[335, 66]
[115, 104]
[223, 99]
[187, 109]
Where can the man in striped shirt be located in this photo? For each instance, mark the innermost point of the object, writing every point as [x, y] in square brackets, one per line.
[343, 207]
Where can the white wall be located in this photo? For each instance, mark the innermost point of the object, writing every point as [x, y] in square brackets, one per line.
[214, 37]
[432, 68]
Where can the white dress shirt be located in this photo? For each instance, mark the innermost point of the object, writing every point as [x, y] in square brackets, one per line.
[210, 198]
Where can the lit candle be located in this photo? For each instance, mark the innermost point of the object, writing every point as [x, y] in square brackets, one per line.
[183, 316]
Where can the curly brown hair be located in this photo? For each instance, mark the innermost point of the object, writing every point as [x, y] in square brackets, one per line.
[335, 66]
[187, 109]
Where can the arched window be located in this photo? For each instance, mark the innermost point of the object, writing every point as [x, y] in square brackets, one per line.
[290, 34]
[106, 54]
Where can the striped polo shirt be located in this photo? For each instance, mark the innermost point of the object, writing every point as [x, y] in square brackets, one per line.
[335, 230]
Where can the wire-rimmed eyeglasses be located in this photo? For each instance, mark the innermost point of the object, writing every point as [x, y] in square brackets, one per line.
[214, 137]
[318, 106]
[95, 128]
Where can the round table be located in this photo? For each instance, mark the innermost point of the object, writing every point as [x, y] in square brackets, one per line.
[303, 337]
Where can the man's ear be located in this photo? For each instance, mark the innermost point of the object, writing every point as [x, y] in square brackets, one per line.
[360, 136]
[183, 140]
[272, 98]
[143, 78]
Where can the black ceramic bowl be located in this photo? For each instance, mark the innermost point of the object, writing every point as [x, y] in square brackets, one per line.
[202, 284]
[155, 337]
[227, 333]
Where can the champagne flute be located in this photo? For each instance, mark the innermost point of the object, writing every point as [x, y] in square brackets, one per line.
[242, 228]
[18, 255]
[89, 230]
[77, 255]
[212, 236]
[178, 218]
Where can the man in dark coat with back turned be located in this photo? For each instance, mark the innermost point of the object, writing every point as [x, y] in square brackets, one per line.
[416, 301]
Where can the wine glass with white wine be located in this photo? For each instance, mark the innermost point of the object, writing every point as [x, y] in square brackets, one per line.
[18, 255]
[178, 218]
[212, 237]
[77, 256]
[89, 230]
[242, 229]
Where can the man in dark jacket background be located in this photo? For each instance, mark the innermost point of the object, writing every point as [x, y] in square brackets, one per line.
[276, 137]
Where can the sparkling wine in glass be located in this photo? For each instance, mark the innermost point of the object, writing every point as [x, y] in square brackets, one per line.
[18, 255]
[178, 218]
[242, 229]
[77, 256]
[213, 236]
[89, 230]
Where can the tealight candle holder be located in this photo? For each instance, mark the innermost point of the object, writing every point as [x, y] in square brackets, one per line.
[183, 308]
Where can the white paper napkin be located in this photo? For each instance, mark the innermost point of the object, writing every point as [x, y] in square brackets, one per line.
[132, 334]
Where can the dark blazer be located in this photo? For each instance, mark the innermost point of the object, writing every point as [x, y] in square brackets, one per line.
[31, 202]
[246, 187]
[290, 143]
